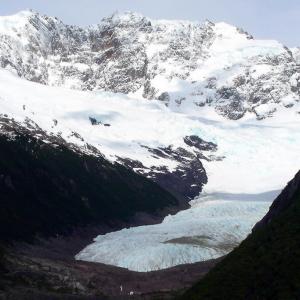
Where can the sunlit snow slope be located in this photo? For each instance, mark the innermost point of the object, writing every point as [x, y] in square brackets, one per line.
[132, 123]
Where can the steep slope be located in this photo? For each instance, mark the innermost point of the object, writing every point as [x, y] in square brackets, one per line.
[144, 136]
[48, 187]
[267, 264]
[183, 64]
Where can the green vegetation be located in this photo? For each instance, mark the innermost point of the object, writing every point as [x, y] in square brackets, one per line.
[265, 266]
[47, 190]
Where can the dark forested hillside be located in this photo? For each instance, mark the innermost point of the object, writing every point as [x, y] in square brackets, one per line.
[47, 190]
[267, 264]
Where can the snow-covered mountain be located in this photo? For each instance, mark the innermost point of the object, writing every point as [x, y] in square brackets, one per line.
[178, 62]
[194, 107]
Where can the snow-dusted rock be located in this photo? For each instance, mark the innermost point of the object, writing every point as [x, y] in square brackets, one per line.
[179, 62]
[143, 135]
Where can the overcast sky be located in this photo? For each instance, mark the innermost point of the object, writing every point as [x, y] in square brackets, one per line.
[273, 19]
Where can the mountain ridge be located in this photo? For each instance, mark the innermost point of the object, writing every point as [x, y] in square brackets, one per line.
[181, 63]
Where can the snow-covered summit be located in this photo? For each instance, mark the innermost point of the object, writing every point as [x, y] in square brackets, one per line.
[184, 64]
[25, 23]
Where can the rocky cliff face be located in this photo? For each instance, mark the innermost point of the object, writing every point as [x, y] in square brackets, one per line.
[178, 62]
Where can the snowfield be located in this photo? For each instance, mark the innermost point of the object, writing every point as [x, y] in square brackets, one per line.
[134, 122]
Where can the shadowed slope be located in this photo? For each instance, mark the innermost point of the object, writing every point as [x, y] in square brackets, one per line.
[48, 189]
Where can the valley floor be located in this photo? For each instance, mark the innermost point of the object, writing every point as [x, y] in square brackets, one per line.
[48, 271]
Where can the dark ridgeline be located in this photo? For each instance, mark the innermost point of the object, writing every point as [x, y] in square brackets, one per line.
[47, 190]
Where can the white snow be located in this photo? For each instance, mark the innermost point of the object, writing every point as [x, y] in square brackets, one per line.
[8, 24]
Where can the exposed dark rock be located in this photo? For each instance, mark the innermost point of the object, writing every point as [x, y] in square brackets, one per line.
[94, 121]
[186, 181]
[164, 97]
[200, 144]
[149, 91]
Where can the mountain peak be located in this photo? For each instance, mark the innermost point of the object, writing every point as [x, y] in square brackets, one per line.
[126, 15]
[125, 19]
[16, 20]
[26, 13]
[17, 24]
[220, 64]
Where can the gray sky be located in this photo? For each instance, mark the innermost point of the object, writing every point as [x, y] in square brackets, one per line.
[269, 19]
